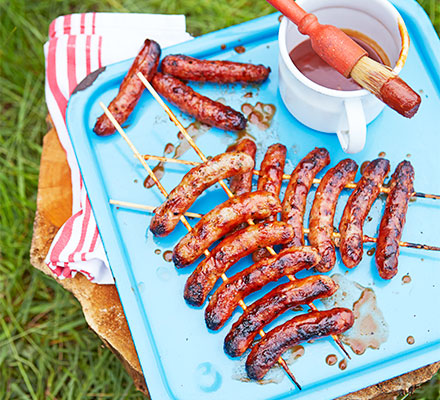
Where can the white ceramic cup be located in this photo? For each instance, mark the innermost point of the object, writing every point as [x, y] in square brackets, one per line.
[345, 113]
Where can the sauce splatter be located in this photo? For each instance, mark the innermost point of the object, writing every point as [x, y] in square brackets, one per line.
[168, 256]
[342, 364]
[331, 359]
[297, 308]
[382, 154]
[280, 18]
[157, 251]
[371, 251]
[240, 49]
[410, 340]
[363, 166]
[223, 46]
[248, 95]
[406, 279]
[259, 115]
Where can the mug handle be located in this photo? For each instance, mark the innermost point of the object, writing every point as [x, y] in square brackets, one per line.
[352, 139]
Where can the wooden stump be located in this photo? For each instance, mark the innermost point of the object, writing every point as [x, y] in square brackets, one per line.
[100, 303]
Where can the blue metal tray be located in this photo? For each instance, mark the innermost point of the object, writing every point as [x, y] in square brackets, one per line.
[180, 358]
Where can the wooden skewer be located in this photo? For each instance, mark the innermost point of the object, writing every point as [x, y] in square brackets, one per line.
[351, 185]
[221, 182]
[281, 361]
[336, 235]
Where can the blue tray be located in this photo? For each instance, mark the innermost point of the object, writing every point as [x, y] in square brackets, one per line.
[180, 358]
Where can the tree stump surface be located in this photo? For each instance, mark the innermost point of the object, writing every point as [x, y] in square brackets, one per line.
[100, 303]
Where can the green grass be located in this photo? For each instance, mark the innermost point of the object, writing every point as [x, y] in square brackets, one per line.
[46, 349]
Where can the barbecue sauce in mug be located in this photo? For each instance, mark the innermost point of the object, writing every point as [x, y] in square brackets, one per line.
[317, 70]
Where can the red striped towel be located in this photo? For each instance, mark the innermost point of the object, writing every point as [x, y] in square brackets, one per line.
[79, 44]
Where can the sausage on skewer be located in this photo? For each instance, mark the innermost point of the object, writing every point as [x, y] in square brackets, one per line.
[193, 69]
[274, 303]
[301, 180]
[323, 211]
[228, 252]
[200, 107]
[393, 220]
[193, 184]
[226, 298]
[270, 180]
[356, 210]
[131, 88]
[221, 220]
[240, 184]
[299, 329]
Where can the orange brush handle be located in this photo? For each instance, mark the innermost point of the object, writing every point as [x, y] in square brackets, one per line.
[330, 43]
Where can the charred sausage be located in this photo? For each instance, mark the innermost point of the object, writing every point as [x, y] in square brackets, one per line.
[240, 184]
[131, 88]
[356, 210]
[301, 179]
[299, 329]
[193, 184]
[221, 220]
[200, 107]
[228, 252]
[274, 303]
[226, 298]
[193, 69]
[270, 180]
[393, 220]
[323, 211]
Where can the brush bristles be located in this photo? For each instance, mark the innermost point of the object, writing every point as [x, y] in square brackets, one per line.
[371, 75]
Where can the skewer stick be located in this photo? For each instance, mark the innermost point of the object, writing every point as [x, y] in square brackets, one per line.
[127, 204]
[153, 176]
[221, 182]
[351, 185]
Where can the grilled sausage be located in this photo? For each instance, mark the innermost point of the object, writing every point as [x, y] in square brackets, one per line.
[221, 220]
[393, 220]
[201, 107]
[301, 179]
[356, 210]
[193, 69]
[274, 303]
[131, 88]
[323, 211]
[226, 298]
[240, 184]
[228, 252]
[299, 329]
[270, 180]
[193, 184]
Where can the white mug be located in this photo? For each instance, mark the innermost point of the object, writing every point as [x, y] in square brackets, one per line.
[345, 113]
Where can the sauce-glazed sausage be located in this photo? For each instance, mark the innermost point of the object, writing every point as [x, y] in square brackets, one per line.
[323, 211]
[356, 210]
[198, 179]
[240, 184]
[221, 220]
[301, 179]
[228, 252]
[270, 180]
[131, 88]
[299, 329]
[200, 107]
[393, 220]
[193, 69]
[226, 298]
[274, 303]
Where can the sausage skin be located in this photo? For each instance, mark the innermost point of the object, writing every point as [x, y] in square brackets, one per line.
[131, 88]
[270, 180]
[221, 220]
[299, 329]
[295, 198]
[356, 210]
[198, 179]
[200, 107]
[323, 211]
[226, 298]
[193, 69]
[393, 220]
[228, 252]
[240, 184]
[274, 303]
